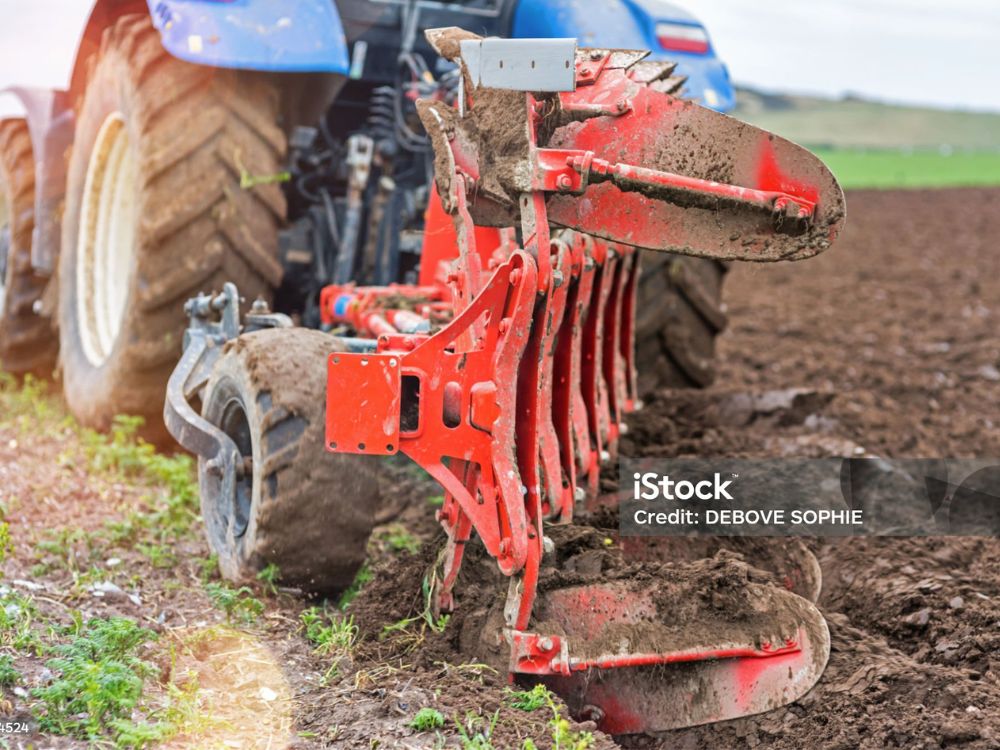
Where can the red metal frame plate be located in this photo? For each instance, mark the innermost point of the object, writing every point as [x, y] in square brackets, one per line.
[371, 424]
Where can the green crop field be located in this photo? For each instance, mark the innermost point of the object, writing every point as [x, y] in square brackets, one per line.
[891, 169]
[870, 144]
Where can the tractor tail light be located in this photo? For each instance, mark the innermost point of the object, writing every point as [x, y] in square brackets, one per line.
[682, 38]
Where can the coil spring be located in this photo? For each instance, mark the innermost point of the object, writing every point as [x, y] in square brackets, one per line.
[382, 113]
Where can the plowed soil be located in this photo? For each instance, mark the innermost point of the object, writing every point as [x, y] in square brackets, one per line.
[891, 337]
[893, 334]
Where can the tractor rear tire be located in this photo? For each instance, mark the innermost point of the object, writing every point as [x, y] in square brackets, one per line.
[679, 313]
[158, 208]
[28, 342]
[305, 510]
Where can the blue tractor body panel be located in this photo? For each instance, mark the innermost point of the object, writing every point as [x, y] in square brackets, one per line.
[270, 35]
[629, 24]
[308, 35]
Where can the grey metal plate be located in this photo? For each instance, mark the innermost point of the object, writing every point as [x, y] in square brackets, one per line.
[521, 64]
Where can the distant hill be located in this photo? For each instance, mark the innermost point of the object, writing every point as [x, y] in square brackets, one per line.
[853, 122]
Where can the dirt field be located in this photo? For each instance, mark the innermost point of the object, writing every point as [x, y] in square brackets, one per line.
[893, 336]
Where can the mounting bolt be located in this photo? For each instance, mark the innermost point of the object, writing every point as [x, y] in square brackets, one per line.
[622, 105]
[563, 182]
[545, 643]
[214, 466]
[596, 54]
[259, 307]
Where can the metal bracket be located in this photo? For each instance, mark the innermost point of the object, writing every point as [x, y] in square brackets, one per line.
[214, 320]
[521, 64]
[360, 152]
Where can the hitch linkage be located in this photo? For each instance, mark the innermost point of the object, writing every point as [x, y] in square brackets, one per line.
[214, 320]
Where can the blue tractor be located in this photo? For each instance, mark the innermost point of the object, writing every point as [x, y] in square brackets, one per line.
[273, 143]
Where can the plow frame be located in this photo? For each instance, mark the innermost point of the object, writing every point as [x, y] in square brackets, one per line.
[508, 372]
[515, 403]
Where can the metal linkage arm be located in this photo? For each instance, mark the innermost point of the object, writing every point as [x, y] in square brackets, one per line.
[214, 320]
[571, 171]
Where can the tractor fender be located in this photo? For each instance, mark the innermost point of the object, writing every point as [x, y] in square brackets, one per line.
[279, 36]
[629, 24]
[304, 37]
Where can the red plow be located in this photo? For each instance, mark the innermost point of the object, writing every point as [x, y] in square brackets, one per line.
[515, 404]
[507, 372]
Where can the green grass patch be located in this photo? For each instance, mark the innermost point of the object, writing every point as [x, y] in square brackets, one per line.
[427, 719]
[398, 539]
[240, 605]
[99, 681]
[127, 456]
[476, 733]
[18, 615]
[97, 693]
[25, 404]
[169, 510]
[856, 168]
[362, 577]
[529, 700]
[331, 635]
[8, 672]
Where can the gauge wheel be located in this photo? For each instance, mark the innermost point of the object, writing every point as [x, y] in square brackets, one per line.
[296, 506]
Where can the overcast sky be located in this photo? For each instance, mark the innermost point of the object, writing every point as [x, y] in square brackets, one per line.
[940, 52]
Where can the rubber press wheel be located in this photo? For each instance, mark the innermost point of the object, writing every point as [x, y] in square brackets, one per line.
[27, 341]
[155, 213]
[305, 510]
[679, 314]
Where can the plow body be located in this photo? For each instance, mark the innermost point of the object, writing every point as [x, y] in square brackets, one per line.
[507, 373]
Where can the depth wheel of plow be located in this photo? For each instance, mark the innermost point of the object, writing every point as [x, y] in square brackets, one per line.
[293, 505]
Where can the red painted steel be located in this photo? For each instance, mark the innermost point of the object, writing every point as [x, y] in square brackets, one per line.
[513, 396]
